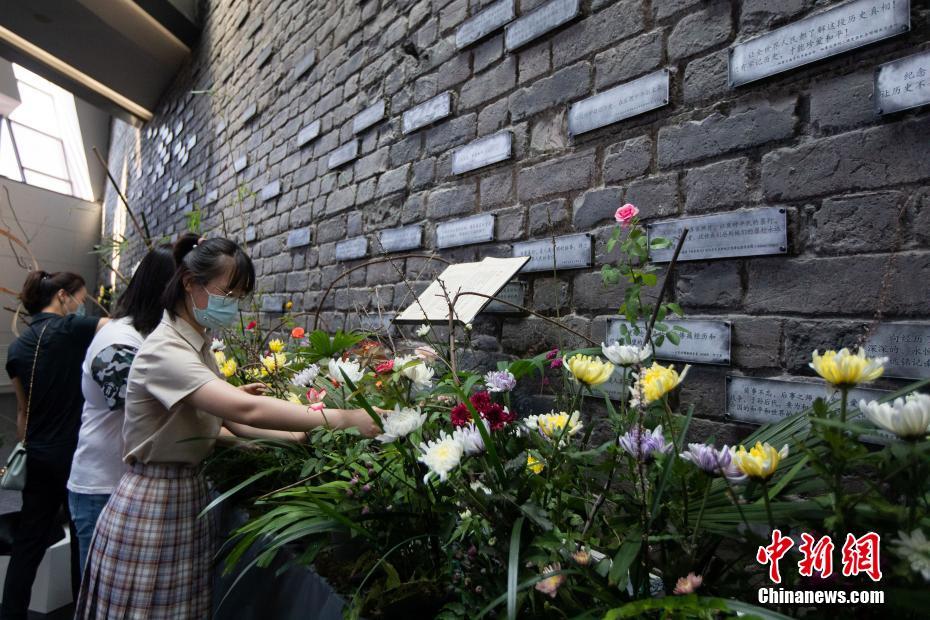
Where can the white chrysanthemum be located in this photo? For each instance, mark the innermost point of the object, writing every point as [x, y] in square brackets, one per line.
[470, 438]
[626, 355]
[441, 455]
[402, 360]
[217, 345]
[400, 423]
[915, 548]
[307, 376]
[555, 425]
[423, 330]
[420, 374]
[905, 417]
[351, 369]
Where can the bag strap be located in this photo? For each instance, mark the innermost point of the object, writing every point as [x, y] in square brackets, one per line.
[32, 378]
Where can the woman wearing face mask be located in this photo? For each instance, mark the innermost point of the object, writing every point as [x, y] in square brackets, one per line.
[44, 364]
[150, 555]
[98, 460]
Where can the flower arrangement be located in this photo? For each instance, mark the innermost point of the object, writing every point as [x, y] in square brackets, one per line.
[467, 507]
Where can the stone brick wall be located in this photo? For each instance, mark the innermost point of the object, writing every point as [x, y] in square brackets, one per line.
[855, 185]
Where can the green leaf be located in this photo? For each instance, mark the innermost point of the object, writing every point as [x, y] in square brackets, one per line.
[673, 337]
[513, 569]
[222, 498]
[626, 555]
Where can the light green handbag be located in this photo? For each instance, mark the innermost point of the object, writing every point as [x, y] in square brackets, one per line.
[13, 475]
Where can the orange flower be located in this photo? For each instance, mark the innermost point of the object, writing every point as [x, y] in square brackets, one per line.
[298, 332]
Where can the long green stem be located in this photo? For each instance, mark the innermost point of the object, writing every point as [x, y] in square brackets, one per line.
[736, 503]
[768, 506]
[840, 465]
[697, 525]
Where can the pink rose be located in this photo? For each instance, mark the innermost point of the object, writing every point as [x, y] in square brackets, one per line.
[625, 214]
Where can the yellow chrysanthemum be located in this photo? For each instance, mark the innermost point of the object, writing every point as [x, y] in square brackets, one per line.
[229, 368]
[759, 462]
[535, 465]
[555, 425]
[657, 381]
[276, 346]
[220, 357]
[294, 398]
[289, 305]
[589, 370]
[274, 362]
[255, 373]
[845, 369]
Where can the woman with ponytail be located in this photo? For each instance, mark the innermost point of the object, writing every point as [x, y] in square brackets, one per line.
[98, 460]
[44, 364]
[150, 555]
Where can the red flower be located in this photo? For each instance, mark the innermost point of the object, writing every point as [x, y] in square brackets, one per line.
[481, 401]
[496, 414]
[297, 333]
[552, 354]
[251, 325]
[383, 367]
[556, 363]
[461, 416]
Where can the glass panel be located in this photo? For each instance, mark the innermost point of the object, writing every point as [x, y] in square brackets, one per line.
[9, 167]
[41, 180]
[37, 110]
[40, 152]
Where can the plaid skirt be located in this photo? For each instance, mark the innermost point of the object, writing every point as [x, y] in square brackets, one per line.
[150, 557]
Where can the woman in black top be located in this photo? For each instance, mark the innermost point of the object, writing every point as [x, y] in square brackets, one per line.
[55, 302]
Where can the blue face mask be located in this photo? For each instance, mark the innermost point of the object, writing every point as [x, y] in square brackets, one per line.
[221, 312]
[81, 309]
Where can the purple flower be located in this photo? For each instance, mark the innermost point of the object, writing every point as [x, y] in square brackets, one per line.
[500, 381]
[643, 445]
[707, 459]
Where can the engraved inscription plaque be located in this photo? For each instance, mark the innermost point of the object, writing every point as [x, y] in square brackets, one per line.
[273, 303]
[264, 56]
[466, 231]
[271, 190]
[484, 23]
[308, 133]
[187, 188]
[298, 238]
[404, 238]
[770, 400]
[368, 117]
[515, 293]
[483, 152]
[641, 95]
[819, 36]
[250, 234]
[356, 247]
[907, 347]
[240, 163]
[304, 64]
[343, 155]
[377, 322]
[902, 84]
[704, 342]
[428, 112]
[753, 232]
[248, 114]
[211, 197]
[539, 21]
[571, 252]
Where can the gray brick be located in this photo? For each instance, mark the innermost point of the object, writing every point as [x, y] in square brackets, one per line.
[547, 217]
[759, 15]
[562, 86]
[406, 150]
[858, 223]
[452, 72]
[596, 32]
[450, 201]
[628, 59]
[756, 342]
[718, 134]
[842, 102]
[548, 133]
[847, 285]
[655, 196]
[630, 158]
[552, 177]
[450, 133]
[496, 189]
[802, 337]
[509, 224]
[534, 62]
[330, 230]
[706, 78]
[595, 207]
[591, 294]
[393, 180]
[297, 281]
[493, 117]
[717, 185]
[700, 31]
[489, 85]
[533, 335]
[869, 159]
[424, 171]
[549, 294]
[487, 53]
[710, 285]
[340, 200]
[666, 8]
[372, 164]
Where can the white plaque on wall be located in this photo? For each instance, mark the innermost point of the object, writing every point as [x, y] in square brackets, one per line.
[819, 36]
[570, 252]
[515, 293]
[620, 102]
[308, 133]
[539, 21]
[907, 347]
[428, 112]
[902, 84]
[704, 342]
[403, 238]
[368, 117]
[343, 155]
[482, 152]
[484, 23]
[465, 231]
[753, 232]
[356, 247]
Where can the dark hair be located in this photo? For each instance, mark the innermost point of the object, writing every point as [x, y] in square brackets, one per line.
[41, 287]
[203, 260]
[141, 301]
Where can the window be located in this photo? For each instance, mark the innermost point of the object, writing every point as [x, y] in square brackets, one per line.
[40, 142]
